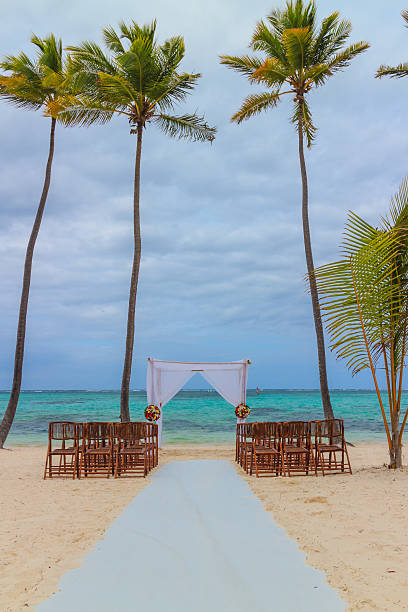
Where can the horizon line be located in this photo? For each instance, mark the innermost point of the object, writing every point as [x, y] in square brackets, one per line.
[79, 390]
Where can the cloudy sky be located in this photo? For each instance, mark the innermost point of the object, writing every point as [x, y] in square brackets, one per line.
[222, 275]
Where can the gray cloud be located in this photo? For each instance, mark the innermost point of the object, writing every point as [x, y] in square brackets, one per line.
[223, 267]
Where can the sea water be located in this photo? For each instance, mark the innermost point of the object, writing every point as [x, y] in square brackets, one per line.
[194, 416]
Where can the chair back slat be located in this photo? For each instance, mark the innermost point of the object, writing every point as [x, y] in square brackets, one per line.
[98, 431]
[266, 432]
[329, 430]
[131, 431]
[296, 433]
[62, 430]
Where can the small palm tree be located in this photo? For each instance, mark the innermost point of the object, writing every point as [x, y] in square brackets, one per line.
[139, 80]
[33, 85]
[297, 57]
[398, 71]
[364, 299]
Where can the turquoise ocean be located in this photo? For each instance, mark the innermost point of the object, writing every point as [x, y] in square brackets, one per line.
[194, 416]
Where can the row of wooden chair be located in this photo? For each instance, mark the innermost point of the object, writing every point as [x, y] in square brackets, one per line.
[101, 449]
[293, 447]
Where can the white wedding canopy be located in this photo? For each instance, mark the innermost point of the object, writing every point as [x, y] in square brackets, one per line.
[165, 378]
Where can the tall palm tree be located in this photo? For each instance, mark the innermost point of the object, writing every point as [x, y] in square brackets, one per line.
[297, 56]
[35, 85]
[139, 80]
[398, 71]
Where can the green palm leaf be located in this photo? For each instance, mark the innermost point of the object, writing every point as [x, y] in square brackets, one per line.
[364, 297]
[399, 71]
[84, 112]
[255, 104]
[245, 64]
[394, 72]
[342, 59]
[296, 42]
[137, 78]
[190, 127]
[296, 56]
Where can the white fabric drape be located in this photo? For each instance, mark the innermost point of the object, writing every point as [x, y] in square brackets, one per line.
[165, 378]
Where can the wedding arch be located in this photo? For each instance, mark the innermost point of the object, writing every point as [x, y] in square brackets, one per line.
[165, 378]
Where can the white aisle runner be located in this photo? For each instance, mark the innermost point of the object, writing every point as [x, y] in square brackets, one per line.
[195, 540]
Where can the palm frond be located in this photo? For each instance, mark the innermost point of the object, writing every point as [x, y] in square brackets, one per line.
[364, 297]
[342, 59]
[302, 110]
[398, 214]
[268, 42]
[272, 73]
[170, 54]
[245, 64]
[16, 92]
[139, 64]
[357, 234]
[166, 94]
[113, 40]
[50, 55]
[298, 14]
[255, 104]
[89, 57]
[296, 42]
[22, 65]
[359, 302]
[316, 75]
[331, 38]
[396, 72]
[190, 127]
[84, 112]
[133, 31]
[117, 90]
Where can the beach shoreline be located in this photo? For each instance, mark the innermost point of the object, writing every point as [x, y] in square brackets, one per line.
[351, 527]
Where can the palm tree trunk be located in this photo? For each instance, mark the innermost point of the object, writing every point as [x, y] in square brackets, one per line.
[396, 446]
[324, 388]
[130, 334]
[22, 318]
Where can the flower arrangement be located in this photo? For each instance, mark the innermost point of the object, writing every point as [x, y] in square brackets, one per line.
[242, 411]
[152, 413]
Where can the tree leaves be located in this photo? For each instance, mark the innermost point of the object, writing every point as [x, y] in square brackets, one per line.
[395, 71]
[39, 83]
[138, 78]
[297, 56]
[364, 297]
[191, 127]
[255, 104]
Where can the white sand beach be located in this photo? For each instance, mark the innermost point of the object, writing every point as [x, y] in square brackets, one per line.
[351, 527]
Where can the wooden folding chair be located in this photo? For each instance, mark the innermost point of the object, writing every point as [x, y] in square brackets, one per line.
[330, 446]
[68, 434]
[152, 444]
[297, 448]
[266, 450]
[135, 454]
[97, 450]
[238, 441]
[245, 445]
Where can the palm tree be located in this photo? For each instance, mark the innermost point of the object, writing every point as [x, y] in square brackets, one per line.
[364, 298]
[137, 79]
[298, 56]
[398, 71]
[34, 85]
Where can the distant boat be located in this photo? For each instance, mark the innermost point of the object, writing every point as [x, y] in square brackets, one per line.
[258, 391]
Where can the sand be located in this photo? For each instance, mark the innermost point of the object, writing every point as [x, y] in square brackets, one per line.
[355, 528]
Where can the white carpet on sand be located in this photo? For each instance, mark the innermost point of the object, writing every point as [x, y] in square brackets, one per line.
[195, 540]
